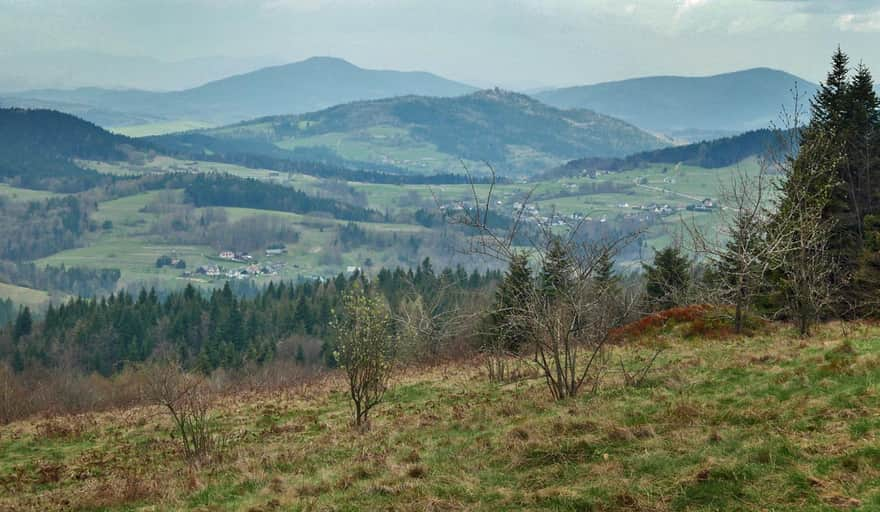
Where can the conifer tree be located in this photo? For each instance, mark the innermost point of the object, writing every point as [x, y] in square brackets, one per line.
[605, 276]
[668, 278]
[511, 299]
[556, 269]
[23, 324]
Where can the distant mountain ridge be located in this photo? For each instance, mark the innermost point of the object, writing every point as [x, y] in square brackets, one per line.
[295, 88]
[690, 107]
[431, 134]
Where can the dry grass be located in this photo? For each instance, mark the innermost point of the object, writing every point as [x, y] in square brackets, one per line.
[763, 423]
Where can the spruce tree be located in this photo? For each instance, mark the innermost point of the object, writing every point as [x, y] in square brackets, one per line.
[556, 269]
[511, 299]
[604, 273]
[23, 324]
[668, 278]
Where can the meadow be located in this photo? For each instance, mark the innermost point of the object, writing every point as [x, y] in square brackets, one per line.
[35, 299]
[768, 422]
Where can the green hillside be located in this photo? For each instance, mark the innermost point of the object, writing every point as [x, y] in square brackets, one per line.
[423, 134]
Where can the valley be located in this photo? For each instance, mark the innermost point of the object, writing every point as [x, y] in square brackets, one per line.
[133, 244]
[650, 282]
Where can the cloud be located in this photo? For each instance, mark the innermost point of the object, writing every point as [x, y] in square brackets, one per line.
[853, 22]
[828, 7]
[686, 5]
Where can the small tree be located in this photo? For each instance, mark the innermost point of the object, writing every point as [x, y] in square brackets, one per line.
[365, 350]
[809, 272]
[23, 324]
[668, 278]
[571, 316]
[428, 320]
[509, 333]
[742, 249]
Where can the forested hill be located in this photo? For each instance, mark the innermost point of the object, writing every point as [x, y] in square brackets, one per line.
[711, 154]
[37, 148]
[429, 134]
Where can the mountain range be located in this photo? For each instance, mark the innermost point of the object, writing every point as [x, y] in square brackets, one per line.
[691, 108]
[305, 86]
[684, 108]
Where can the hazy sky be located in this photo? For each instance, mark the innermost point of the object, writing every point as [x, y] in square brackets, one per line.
[514, 43]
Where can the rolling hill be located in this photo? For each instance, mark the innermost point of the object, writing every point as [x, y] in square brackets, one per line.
[305, 86]
[690, 107]
[425, 134]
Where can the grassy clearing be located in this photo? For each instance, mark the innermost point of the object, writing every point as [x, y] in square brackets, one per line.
[25, 194]
[24, 296]
[764, 423]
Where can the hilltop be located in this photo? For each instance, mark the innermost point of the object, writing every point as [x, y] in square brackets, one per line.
[690, 107]
[294, 88]
[514, 132]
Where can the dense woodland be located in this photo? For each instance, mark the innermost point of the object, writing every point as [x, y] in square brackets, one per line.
[39, 228]
[39, 146]
[224, 190]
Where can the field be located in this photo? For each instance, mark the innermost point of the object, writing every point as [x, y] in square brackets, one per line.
[24, 296]
[24, 194]
[132, 247]
[770, 422]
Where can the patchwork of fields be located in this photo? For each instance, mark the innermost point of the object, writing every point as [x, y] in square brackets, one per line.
[133, 245]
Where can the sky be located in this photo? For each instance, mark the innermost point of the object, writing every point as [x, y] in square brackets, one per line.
[512, 43]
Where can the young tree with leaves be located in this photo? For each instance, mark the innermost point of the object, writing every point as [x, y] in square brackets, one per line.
[365, 350]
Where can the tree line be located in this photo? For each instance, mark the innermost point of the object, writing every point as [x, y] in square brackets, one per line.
[87, 282]
[210, 330]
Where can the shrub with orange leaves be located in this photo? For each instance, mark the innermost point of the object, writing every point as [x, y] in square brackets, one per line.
[702, 320]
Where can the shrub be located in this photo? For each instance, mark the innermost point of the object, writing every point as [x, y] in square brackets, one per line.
[364, 350]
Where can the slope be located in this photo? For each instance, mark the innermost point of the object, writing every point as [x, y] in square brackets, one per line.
[38, 149]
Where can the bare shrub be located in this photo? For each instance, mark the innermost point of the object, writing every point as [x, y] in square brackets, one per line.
[570, 312]
[188, 401]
